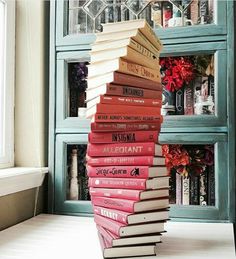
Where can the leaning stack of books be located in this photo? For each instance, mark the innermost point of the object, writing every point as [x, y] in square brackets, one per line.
[128, 180]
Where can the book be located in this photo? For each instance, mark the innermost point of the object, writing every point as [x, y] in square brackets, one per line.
[102, 108]
[105, 45]
[178, 189]
[188, 100]
[129, 218]
[203, 190]
[124, 149]
[194, 190]
[124, 91]
[130, 160]
[123, 66]
[119, 117]
[129, 183]
[185, 190]
[122, 230]
[136, 172]
[123, 137]
[141, 24]
[120, 100]
[211, 185]
[122, 79]
[136, 195]
[125, 241]
[126, 53]
[179, 104]
[119, 126]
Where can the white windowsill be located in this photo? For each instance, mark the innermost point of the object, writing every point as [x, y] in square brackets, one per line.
[18, 179]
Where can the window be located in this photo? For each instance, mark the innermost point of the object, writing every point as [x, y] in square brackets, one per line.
[7, 60]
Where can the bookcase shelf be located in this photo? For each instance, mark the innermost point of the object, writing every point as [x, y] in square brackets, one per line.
[68, 132]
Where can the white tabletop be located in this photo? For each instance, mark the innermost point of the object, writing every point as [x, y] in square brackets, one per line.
[54, 236]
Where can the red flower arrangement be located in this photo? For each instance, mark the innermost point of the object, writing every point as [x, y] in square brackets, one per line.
[188, 159]
[177, 72]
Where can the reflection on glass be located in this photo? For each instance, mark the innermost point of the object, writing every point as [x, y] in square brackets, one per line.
[87, 16]
[77, 180]
[77, 79]
[192, 174]
[188, 83]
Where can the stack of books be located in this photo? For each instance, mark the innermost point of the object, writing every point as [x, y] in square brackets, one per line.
[128, 180]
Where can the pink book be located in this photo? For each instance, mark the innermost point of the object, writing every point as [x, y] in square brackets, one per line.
[124, 149]
[129, 205]
[123, 137]
[129, 183]
[106, 234]
[142, 172]
[130, 160]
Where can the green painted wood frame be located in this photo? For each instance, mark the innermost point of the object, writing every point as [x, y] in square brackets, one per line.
[218, 28]
[62, 205]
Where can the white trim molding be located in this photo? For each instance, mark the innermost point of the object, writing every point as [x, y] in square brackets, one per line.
[18, 179]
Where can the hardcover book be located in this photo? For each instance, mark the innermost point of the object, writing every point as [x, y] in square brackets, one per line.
[130, 183]
[122, 230]
[124, 149]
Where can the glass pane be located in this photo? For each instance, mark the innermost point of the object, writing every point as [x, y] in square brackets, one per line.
[2, 83]
[77, 180]
[192, 174]
[77, 76]
[188, 83]
[87, 16]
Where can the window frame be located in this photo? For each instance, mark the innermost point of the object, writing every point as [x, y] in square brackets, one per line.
[7, 159]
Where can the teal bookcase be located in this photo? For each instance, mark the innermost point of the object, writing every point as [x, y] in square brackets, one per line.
[215, 38]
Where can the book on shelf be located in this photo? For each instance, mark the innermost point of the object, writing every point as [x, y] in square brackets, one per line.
[194, 190]
[129, 194]
[130, 183]
[123, 91]
[188, 100]
[119, 126]
[136, 172]
[124, 149]
[126, 251]
[178, 189]
[179, 104]
[122, 79]
[185, 190]
[121, 100]
[211, 185]
[203, 193]
[122, 230]
[119, 117]
[127, 53]
[124, 160]
[132, 218]
[123, 137]
[141, 24]
[121, 109]
[123, 66]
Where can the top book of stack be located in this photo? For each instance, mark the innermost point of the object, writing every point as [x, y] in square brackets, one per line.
[129, 47]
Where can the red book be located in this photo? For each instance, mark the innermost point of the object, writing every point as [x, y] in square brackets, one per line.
[119, 117]
[107, 127]
[124, 149]
[121, 230]
[121, 109]
[108, 236]
[123, 79]
[123, 90]
[142, 172]
[132, 160]
[127, 136]
[130, 183]
[136, 195]
[129, 218]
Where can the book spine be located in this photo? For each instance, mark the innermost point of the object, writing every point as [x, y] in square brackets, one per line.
[172, 191]
[141, 172]
[116, 193]
[137, 101]
[140, 71]
[126, 149]
[104, 127]
[203, 11]
[109, 224]
[203, 189]
[180, 101]
[156, 14]
[194, 190]
[123, 137]
[135, 184]
[74, 188]
[194, 11]
[178, 189]
[127, 118]
[211, 186]
[107, 242]
[105, 234]
[116, 215]
[113, 203]
[188, 100]
[185, 190]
